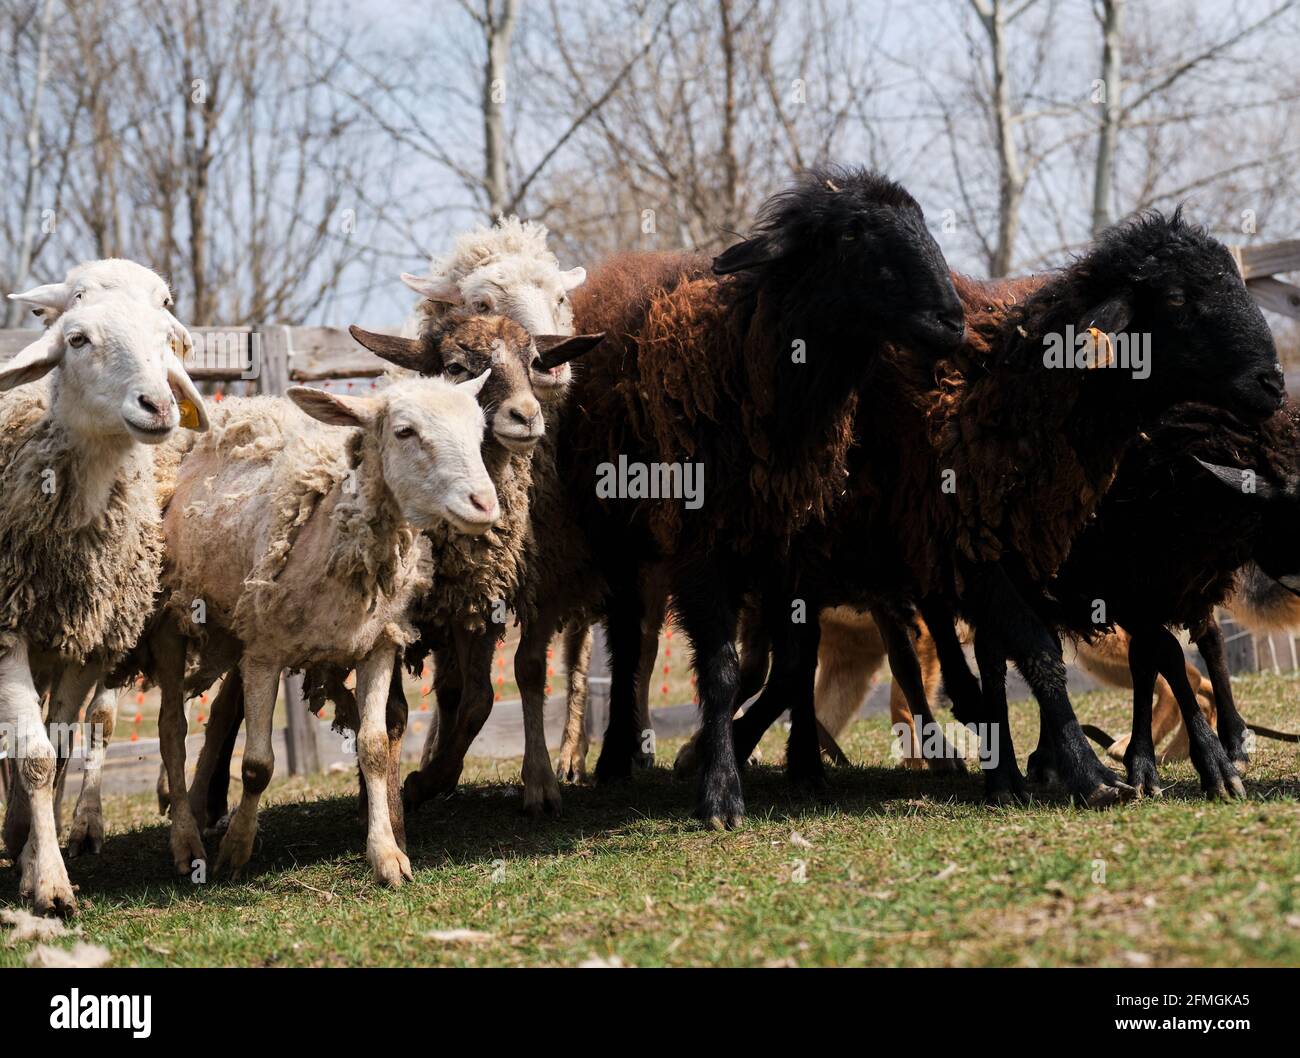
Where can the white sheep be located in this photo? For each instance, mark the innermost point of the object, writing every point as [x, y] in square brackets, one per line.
[84, 284]
[80, 544]
[505, 270]
[289, 545]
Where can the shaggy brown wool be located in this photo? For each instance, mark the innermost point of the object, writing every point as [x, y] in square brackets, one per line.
[705, 346]
[77, 582]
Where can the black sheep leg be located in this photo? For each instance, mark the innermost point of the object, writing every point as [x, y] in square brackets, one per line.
[1232, 728]
[771, 631]
[1003, 783]
[1037, 653]
[803, 755]
[1140, 757]
[707, 614]
[622, 741]
[958, 681]
[1218, 777]
[906, 670]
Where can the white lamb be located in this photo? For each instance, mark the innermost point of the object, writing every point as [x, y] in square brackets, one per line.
[80, 545]
[290, 544]
[505, 270]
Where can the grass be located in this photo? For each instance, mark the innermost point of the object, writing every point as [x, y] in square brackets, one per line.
[893, 868]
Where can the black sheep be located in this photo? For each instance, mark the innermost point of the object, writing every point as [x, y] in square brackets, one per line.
[754, 375]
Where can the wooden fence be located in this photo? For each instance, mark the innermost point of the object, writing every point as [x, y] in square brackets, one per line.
[271, 358]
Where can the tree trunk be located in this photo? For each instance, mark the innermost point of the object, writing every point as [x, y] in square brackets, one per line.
[1011, 179]
[23, 266]
[1102, 186]
[497, 29]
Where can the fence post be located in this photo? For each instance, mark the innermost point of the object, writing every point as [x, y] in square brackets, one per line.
[276, 349]
[598, 684]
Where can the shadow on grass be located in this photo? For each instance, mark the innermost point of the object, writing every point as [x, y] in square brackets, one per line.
[483, 822]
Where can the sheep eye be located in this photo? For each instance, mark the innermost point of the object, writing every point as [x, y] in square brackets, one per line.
[482, 305]
[168, 301]
[77, 340]
[404, 432]
[1177, 300]
[454, 369]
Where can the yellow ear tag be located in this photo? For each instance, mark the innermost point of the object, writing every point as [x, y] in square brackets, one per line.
[1099, 339]
[189, 414]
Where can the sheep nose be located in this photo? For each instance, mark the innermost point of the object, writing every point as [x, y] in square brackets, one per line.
[1272, 381]
[150, 405]
[482, 501]
[524, 412]
[946, 322]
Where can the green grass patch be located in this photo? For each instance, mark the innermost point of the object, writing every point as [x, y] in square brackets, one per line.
[890, 868]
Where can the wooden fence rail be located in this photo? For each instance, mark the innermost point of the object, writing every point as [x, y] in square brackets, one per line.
[272, 357]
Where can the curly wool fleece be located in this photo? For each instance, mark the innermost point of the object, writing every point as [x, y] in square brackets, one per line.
[73, 581]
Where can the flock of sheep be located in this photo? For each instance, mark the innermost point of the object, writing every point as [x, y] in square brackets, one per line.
[890, 465]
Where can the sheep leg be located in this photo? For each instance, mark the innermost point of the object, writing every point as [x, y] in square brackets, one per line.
[755, 654]
[624, 624]
[87, 833]
[1036, 650]
[755, 658]
[210, 790]
[168, 649]
[900, 712]
[906, 669]
[1140, 754]
[959, 683]
[374, 677]
[447, 686]
[708, 615]
[396, 712]
[261, 682]
[1003, 783]
[1219, 779]
[655, 604]
[44, 876]
[571, 766]
[1232, 728]
[441, 773]
[803, 756]
[541, 786]
[72, 685]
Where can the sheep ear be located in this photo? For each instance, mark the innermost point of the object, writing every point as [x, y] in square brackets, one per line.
[442, 290]
[1246, 482]
[573, 278]
[557, 349]
[49, 296]
[404, 352]
[36, 361]
[1110, 316]
[474, 386]
[194, 415]
[333, 409]
[752, 253]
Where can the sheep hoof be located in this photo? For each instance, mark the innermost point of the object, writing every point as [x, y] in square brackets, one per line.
[1219, 779]
[572, 764]
[86, 838]
[45, 883]
[1104, 795]
[390, 864]
[1040, 768]
[946, 765]
[685, 764]
[540, 800]
[1144, 779]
